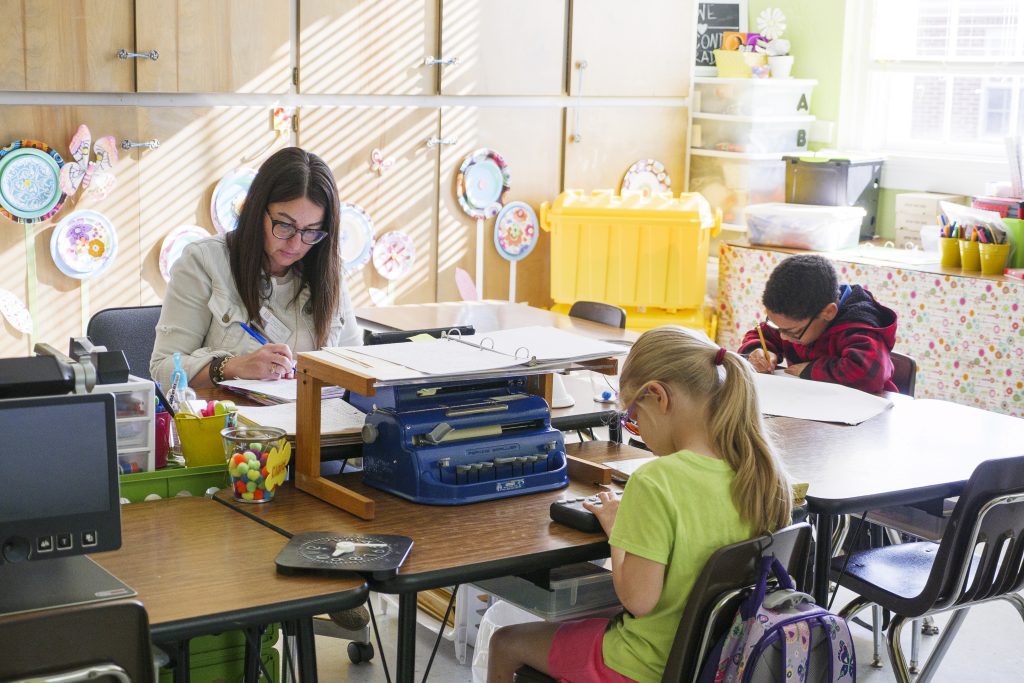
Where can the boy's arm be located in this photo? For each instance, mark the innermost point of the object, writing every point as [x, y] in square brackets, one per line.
[863, 363]
[772, 340]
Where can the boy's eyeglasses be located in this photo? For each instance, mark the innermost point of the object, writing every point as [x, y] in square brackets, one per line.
[787, 333]
[286, 231]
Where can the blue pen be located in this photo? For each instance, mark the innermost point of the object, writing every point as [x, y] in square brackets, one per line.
[253, 333]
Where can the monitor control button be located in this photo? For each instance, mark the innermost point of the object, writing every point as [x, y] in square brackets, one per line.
[44, 544]
[64, 541]
[16, 549]
[88, 539]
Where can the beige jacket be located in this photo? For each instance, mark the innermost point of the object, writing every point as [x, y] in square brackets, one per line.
[202, 311]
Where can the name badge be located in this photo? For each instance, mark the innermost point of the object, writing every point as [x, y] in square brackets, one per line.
[276, 331]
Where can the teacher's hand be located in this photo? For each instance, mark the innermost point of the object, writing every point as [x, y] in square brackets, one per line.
[269, 362]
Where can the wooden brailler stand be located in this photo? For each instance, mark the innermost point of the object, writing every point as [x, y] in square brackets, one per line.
[318, 369]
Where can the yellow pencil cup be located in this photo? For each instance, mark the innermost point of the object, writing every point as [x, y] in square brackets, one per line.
[950, 250]
[993, 258]
[200, 439]
[970, 258]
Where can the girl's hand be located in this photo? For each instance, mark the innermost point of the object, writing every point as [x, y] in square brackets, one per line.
[762, 363]
[606, 511]
[269, 362]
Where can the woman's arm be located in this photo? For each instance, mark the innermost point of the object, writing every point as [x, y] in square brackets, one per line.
[638, 581]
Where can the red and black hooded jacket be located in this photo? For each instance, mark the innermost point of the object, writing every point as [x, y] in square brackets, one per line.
[852, 351]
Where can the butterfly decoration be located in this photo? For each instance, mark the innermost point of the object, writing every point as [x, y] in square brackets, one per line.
[378, 163]
[847, 661]
[94, 177]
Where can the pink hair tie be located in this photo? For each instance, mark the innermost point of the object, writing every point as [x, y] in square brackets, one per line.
[720, 356]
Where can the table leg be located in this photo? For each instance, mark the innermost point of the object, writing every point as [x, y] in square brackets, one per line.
[615, 432]
[254, 634]
[182, 663]
[823, 525]
[405, 669]
[305, 647]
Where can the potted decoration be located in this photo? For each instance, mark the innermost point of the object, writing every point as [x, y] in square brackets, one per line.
[771, 23]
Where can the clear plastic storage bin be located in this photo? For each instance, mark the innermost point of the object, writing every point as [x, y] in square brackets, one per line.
[749, 134]
[574, 589]
[730, 181]
[804, 226]
[753, 96]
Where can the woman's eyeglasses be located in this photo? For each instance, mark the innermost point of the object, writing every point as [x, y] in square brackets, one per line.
[286, 231]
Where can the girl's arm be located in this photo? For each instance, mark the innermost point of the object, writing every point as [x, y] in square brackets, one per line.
[637, 580]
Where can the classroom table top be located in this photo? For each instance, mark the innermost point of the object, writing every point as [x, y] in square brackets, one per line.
[485, 316]
[201, 568]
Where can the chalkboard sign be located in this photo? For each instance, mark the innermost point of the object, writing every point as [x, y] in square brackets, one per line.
[713, 20]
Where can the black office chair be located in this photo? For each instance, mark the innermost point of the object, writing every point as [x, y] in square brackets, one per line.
[103, 641]
[904, 373]
[597, 312]
[977, 560]
[131, 329]
[728, 576]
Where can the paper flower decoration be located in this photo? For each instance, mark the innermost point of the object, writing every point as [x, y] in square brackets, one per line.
[378, 163]
[277, 464]
[771, 23]
[94, 177]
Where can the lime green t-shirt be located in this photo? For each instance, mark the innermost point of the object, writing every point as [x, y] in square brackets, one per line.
[676, 511]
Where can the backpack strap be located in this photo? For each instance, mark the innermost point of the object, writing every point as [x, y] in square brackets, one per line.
[769, 565]
[796, 651]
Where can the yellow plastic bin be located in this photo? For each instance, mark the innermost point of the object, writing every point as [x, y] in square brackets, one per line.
[630, 250]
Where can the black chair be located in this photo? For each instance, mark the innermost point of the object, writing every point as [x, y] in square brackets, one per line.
[728, 575]
[597, 312]
[904, 373]
[978, 559]
[131, 329]
[103, 641]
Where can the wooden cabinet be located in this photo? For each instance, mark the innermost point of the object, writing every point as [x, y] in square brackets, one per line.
[367, 46]
[643, 48]
[214, 46]
[529, 140]
[402, 197]
[613, 138]
[503, 48]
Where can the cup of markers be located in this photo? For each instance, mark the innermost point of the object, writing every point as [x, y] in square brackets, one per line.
[257, 459]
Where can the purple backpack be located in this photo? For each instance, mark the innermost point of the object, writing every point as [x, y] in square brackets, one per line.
[781, 635]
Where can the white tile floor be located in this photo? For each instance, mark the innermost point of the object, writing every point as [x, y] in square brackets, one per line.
[988, 648]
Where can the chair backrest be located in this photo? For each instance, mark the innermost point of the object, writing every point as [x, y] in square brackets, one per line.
[597, 312]
[77, 638]
[721, 587]
[904, 373]
[980, 554]
[131, 329]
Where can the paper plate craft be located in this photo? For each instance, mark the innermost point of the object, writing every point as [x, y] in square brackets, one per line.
[647, 176]
[515, 231]
[93, 177]
[356, 237]
[175, 243]
[228, 195]
[13, 308]
[29, 181]
[482, 184]
[393, 254]
[83, 244]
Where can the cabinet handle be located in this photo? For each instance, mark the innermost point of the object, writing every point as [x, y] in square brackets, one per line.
[434, 142]
[124, 54]
[130, 144]
[577, 135]
[443, 61]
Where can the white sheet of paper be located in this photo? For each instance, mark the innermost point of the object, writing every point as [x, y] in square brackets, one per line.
[822, 401]
[336, 417]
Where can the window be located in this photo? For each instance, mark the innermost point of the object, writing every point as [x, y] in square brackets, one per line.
[934, 78]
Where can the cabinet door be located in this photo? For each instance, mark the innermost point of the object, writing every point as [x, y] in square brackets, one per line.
[613, 138]
[214, 45]
[63, 304]
[367, 47]
[401, 196]
[71, 45]
[528, 139]
[197, 148]
[641, 48]
[12, 47]
[503, 48]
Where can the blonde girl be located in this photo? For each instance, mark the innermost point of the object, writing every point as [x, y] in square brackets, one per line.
[717, 481]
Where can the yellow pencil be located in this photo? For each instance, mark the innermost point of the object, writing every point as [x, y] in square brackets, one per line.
[764, 347]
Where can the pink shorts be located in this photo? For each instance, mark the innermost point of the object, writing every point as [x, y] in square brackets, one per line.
[575, 655]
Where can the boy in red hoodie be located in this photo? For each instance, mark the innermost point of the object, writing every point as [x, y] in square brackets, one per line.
[824, 331]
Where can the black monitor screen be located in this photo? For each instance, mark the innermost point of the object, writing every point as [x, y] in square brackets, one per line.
[52, 460]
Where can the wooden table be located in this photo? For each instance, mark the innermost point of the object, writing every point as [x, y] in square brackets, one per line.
[452, 544]
[200, 568]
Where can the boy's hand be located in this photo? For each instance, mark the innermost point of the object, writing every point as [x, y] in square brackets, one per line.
[796, 369]
[762, 363]
[606, 511]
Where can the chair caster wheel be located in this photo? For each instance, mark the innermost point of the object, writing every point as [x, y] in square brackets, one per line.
[360, 652]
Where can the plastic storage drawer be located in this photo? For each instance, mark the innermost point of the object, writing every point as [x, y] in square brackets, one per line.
[573, 590]
[836, 181]
[731, 181]
[804, 226]
[629, 250]
[753, 96]
[750, 134]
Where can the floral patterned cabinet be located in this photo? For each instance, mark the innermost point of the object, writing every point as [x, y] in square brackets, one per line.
[965, 331]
